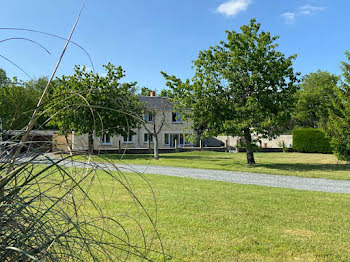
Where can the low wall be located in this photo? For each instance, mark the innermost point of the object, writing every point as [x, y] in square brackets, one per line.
[267, 150]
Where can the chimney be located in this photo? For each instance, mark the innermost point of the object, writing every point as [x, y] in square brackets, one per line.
[153, 93]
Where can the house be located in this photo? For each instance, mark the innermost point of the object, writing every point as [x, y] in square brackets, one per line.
[173, 131]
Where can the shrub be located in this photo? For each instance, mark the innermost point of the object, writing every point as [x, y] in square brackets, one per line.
[310, 140]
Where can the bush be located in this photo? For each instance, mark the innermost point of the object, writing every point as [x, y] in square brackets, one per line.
[310, 140]
[286, 149]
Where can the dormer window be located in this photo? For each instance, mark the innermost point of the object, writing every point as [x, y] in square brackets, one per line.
[148, 117]
[176, 117]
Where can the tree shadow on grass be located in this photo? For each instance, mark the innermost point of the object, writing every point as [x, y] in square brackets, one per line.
[301, 167]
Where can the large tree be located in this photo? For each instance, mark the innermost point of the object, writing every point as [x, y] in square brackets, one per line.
[88, 103]
[313, 100]
[243, 87]
[338, 126]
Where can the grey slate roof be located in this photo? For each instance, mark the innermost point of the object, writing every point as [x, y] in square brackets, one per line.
[157, 102]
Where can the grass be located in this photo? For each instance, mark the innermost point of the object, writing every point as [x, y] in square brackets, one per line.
[215, 221]
[293, 164]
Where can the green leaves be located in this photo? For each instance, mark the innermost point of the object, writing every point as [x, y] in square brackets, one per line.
[87, 102]
[242, 84]
[338, 125]
[313, 100]
[18, 100]
[243, 81]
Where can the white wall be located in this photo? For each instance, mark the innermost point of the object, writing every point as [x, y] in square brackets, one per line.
[265, 143]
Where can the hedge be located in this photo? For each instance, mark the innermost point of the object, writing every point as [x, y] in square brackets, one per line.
[310, 140]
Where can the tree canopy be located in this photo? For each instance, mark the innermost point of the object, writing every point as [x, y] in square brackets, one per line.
[338, 126]
[145, 91]
[18, 100]
[3, 77]
[242, 86]
[313, 100]
[166, 93]
[88, 103]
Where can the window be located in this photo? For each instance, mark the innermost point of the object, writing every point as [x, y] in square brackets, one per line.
[181, 142]
[147, 136]
[166, 139]
[106, 139]
[176, 138]
[176, 118]
[148, 117]
[127, 139]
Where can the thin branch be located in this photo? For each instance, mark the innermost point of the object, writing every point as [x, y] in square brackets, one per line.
[52, 35]
[25, 39]
[13, 63]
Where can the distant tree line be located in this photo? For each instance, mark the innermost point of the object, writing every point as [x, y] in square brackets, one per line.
[18, 100]
[323, 101]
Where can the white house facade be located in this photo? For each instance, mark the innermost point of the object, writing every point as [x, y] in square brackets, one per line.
[173, 133]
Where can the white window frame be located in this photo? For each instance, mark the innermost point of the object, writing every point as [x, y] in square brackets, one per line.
[128, 141]
[178, 118]
[103, 140]
[186, 142]
[148, 117]
[168, 142]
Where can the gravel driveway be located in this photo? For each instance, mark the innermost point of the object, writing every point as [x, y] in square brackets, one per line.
[312, 184]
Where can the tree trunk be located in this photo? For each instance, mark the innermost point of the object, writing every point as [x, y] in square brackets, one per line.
[155, 147]
[249, 147]
[149, 143]
[69, 146]
[91, 143]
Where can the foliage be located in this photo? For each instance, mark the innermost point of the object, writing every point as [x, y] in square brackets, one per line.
[3, 77]
[88, 103]
[338, 126]
[310, 140]
[145, 91]
[241, 87]
[314, 99]
[166, 93]
[18, 100]
[47, 213]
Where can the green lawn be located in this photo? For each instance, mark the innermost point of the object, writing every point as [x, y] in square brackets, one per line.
[294, 164]
[214, 221]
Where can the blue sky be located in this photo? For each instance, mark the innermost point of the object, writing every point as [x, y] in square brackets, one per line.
[146, 37]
